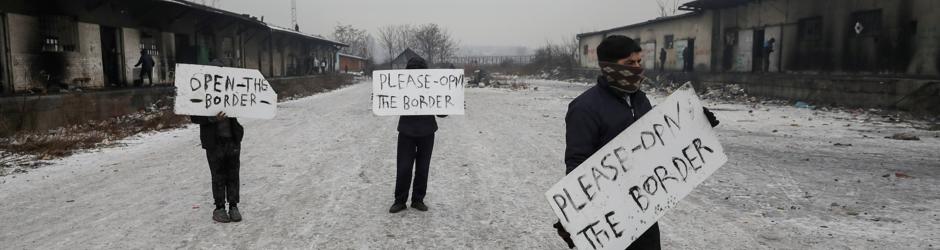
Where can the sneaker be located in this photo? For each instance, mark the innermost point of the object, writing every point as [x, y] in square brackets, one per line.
[397, 207]
[221, 216]
[419, 206]
[234, 214]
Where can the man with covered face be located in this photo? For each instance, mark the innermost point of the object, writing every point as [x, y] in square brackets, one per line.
[604, 111]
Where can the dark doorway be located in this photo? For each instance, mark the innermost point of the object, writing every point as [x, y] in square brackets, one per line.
[731, 40]
[865, 43]
[185, 51]
[5, 86]
[757, 51]
[111, 56]
[688, 56]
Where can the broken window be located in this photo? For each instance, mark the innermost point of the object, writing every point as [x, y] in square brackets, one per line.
[866, 23]
[668, 41]
[810, 29]
[585, 51]
[149, 43]
[59, 34]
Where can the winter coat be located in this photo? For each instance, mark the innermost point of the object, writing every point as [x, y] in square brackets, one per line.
[597, 116]
[210, 135]
[418, 125]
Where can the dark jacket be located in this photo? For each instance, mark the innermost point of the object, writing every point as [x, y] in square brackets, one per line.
[210, 136]
[418, 125]
[146, 61]
[596, 117]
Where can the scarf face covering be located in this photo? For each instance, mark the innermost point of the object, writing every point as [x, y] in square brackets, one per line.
[625, 79]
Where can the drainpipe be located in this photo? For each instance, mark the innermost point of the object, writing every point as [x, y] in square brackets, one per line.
[271, 51]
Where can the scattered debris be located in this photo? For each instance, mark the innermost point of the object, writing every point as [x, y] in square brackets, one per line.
[195, 206]
[70, 201]
[902, 175]
[904, 137]
[804, 105]
[935, 127]
[843, 144]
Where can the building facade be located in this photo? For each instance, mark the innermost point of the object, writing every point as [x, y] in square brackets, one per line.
[351, 63]
[94, 44]
[894, 37]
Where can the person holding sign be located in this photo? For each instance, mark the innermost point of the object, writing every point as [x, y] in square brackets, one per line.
[221, 137]
[604, 111]
[415, 144]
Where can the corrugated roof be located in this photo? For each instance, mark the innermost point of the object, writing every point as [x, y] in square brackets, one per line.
[248, 18]
[712, 4]
[657, 20]
[351, 56]
[298, 33]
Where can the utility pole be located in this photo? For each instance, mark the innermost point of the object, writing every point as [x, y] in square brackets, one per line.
[293, 15]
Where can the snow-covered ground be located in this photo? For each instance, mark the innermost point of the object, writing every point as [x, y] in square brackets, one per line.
[320, 176]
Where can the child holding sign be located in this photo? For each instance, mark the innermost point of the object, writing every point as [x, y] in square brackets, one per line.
[602, 112]
[415, 144]
[221, 137]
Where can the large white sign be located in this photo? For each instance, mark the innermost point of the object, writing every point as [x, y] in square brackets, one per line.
[626, 186]
[418, 92]
[206, 90]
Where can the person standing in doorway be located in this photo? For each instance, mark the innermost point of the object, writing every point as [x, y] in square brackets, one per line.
[415, 145]
[146, 64]
[662, 59]
[768, 49]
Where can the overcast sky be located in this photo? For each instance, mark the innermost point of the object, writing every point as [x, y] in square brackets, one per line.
[473, 22]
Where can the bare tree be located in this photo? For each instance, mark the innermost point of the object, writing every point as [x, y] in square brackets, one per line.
[556, 59]
[396, 38]
[388, 39]
[406, 37]
[434, 43]
[359, 41]
[667, 7]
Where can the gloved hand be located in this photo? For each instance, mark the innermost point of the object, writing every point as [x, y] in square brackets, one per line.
[564, 234]
[711, 117]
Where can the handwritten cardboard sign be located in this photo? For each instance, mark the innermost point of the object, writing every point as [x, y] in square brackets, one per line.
[205, 90]
[626, 186]
[418, 92]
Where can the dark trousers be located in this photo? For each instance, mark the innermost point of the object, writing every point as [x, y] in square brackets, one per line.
[649, 240]
[224, 164]
[148, 73]
[414, 153]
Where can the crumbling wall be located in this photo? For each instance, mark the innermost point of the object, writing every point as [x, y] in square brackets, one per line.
[84, 67]
[24, 52]
[698, 27]
[130, 39]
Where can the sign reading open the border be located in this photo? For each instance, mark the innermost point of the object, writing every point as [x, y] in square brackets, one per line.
[418, 92]
[206, 90]
[626, 186]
